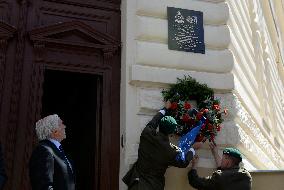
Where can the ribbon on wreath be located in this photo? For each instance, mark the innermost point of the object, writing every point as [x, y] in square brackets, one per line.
[187, 140]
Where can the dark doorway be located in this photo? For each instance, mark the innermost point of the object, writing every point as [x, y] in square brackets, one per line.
[73, 96]
[67, 35]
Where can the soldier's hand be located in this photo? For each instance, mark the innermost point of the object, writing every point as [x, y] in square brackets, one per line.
[213, 148]
[197, 145]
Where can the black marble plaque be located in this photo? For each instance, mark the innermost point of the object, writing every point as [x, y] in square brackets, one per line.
[185, 30]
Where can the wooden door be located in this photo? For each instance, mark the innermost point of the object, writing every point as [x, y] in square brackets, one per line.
[61, 35]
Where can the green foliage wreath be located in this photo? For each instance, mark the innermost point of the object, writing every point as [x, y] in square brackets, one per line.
[179, 95]
[188, 89]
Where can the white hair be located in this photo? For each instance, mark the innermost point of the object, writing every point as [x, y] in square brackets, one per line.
[45, 126]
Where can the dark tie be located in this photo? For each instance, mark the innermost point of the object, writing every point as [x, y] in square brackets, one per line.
[65, 158]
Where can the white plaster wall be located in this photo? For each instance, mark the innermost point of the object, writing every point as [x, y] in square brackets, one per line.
[257, 81]
[231, 66]
[148, 65]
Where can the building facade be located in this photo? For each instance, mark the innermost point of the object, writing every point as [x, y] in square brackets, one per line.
[101, 65]
[243, 63]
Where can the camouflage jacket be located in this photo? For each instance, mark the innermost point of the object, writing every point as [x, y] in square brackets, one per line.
[155, 155]
[230, 179]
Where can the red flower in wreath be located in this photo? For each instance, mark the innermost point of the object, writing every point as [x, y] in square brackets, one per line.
[210, 127]
[216, 107]
[218, 128]
[185, 118]
[207, 121]
[199, 115]
[205, 110]
[187, 106]
[174, 105]
[191, 122]
[199, 138]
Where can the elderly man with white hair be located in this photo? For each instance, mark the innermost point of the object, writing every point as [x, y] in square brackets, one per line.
[50, 169]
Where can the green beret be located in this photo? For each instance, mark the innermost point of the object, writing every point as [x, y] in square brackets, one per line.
[168, 125]
[233, 152]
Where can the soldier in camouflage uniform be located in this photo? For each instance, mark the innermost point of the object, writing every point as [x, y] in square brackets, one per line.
[229, 175]
[155, 155]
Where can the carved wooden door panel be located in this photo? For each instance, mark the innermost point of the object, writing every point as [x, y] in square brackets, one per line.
[66, 35]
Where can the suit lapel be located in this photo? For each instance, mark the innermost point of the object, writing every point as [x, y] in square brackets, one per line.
[58, 153]
[53, 147]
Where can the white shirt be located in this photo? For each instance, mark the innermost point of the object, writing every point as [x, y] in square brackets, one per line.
[55, 142]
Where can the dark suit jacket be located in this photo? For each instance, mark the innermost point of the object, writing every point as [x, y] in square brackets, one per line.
[48, 170]
[3, 176]
[155, 155]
